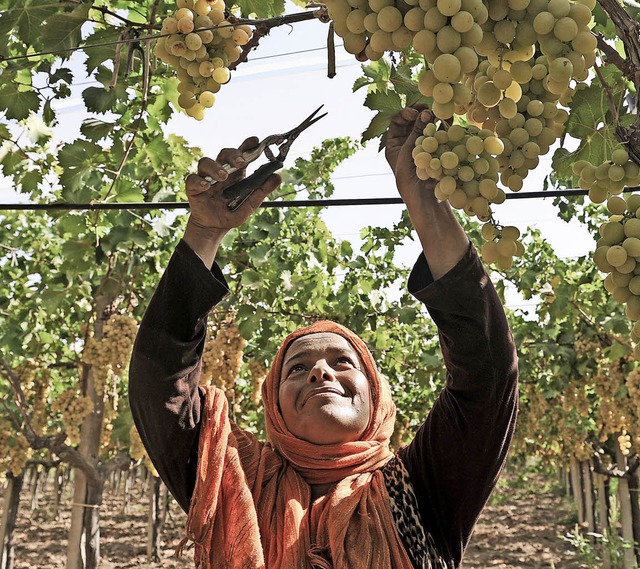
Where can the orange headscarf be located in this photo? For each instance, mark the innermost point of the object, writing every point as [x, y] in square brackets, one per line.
[251, 507]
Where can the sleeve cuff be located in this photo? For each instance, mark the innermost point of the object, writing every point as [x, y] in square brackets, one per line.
[191, 261]
[422, 285]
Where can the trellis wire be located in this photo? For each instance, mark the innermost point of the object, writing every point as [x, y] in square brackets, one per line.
[270, 204]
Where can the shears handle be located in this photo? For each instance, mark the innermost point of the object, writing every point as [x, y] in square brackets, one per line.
[239, 192]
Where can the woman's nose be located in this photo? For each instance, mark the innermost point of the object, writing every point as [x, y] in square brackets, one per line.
[321, 371]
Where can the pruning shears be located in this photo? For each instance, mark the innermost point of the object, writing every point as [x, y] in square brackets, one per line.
[238, 193]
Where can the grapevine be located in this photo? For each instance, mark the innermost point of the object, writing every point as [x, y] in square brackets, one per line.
[200, 44]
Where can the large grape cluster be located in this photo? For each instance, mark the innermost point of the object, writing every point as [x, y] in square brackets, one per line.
[73, 408]
[35, 381]
[109, 355]
[505, 67]
[200, 43]
[222, 357]
[15, 450]
[618, 255]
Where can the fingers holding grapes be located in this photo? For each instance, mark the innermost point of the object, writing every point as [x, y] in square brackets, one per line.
[404, 130]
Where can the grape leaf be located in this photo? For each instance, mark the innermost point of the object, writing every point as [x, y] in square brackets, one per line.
[278, 7]
[96, 129]
[31, 181]
[76, 161]
[404, 84]
[261, 8]
[160, 109]
[590, 109]
[158, 152]
[63, 74]
[63, 31]
[25, 19]
[12, 163]
[96, 56]
[18, 101]
[101, 100]
[387, 104]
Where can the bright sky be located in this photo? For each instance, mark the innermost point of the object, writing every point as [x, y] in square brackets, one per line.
[283, 82]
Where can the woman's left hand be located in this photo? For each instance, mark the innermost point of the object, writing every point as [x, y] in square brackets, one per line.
[442, 238]
[403, 131]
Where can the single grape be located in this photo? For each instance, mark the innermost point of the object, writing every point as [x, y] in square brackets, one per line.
[446, 68]
[207, 99]
[390, 18]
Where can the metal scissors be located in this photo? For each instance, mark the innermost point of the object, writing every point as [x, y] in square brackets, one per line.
[238, 193]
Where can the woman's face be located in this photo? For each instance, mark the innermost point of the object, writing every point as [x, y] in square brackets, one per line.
[324, 397]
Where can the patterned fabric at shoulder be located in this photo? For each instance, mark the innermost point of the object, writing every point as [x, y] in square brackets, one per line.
[404, 508]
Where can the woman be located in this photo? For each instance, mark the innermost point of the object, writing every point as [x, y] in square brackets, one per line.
[325, 491]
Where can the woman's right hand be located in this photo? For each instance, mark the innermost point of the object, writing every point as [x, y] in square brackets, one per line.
[209, 210]
[210, 219]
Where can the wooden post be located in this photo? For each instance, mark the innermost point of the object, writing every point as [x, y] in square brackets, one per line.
[154, 521]
[629, 561]
[635, 511]
[602, 488]
[36, 480]
[8, 520]
[576, 485]
[588, 498]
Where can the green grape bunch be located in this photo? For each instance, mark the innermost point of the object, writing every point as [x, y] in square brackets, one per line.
[222, 357]
[200, 43]
[618, 255]
[73, 408]
[463, 160]
[109, 356]
[608, 178]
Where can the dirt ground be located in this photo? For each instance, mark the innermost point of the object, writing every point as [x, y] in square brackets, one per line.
[520, 529]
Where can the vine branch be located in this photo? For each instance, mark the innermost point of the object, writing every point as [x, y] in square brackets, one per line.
[629, 33]
[615, 58]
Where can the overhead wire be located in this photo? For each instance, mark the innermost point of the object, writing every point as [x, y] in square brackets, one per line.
[325, 202]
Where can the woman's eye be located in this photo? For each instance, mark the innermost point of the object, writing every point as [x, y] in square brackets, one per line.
[296, 368]
[345, 360]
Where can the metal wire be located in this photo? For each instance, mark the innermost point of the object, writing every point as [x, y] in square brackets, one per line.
[272, 204]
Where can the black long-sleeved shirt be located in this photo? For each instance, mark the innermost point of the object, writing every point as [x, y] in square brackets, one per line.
[456, 455]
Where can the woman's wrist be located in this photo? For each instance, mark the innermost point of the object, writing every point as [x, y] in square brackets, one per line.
[443, 240]
[203, 241]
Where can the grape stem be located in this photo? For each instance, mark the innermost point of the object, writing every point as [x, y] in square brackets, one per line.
[607, 90]
[263, 27]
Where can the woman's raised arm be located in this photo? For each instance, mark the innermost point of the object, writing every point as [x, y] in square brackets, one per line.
[165, 366]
